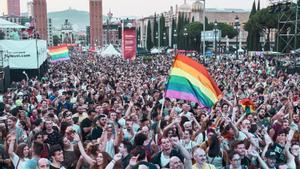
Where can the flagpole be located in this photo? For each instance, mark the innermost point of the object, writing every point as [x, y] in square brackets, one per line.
[162, 104]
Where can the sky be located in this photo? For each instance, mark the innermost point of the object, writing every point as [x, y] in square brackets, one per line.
[140, 7]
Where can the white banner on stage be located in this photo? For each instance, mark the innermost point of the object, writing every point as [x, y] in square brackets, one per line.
[24, 54]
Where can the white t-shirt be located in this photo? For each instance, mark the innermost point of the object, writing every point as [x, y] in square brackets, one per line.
[164, 160]
[15, 159]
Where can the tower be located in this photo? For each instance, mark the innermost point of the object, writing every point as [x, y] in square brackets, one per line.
[13, 7]
[40, 18]
[197, 11]
[96, 23]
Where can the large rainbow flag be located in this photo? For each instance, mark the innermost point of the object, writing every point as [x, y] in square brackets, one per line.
[59, 53]
[190, 81]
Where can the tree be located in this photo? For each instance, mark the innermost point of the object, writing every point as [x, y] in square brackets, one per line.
[264, 21]
[138, 34]
[149, 37]
[194, 33]
[227, 30]
[56, 40]
[162, 29]
[173, 32]
[251, 39]
[155, 31]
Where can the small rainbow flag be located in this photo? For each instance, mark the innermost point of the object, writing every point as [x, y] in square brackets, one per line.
[248, 105]
[190, 81]
[59, 53]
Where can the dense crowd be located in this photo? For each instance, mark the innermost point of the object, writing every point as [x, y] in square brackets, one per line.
[107, 113]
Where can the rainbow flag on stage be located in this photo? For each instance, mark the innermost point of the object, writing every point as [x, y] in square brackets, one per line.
[190, 81]
[59, 53]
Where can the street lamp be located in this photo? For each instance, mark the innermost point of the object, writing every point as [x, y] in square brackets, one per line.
[144, 40]
[204, 24]
[215, 31]
[175, 41]
[237, 27]
[164, 37]
[156, 37]
[185, 34]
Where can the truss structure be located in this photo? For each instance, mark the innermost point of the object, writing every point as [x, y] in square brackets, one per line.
[288, 21]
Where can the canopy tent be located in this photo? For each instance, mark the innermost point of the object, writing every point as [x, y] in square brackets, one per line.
[4, 24]
[240, 50]
[155, 51]
[110, 51]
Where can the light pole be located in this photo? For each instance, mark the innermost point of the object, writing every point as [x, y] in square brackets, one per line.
[185, 34]
[164, 37]
[204, 24]
[215, 31]
[156, 37]
[175, 41]
[144, 40]
[237, 27]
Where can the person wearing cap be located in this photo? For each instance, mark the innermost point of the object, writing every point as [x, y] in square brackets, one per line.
[277, 146]
[271, 159]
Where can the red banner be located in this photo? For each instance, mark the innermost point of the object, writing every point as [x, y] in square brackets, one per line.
[129, 43]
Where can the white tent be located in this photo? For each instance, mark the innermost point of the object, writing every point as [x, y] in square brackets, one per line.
[4, 24]
[110, 51]
[155, 51]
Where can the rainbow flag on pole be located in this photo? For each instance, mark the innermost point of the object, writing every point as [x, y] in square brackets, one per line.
[59, 53]
[190, 81]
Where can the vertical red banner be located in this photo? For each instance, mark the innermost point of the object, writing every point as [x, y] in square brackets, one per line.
[129, 43]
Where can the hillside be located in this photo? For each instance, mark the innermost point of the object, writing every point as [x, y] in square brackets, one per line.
[79, 19]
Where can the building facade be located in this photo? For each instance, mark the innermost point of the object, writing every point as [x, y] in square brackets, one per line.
[40, 18]
[30, 8]
[195, 12]
[96, 23]
[67, 33]
[13, 8]
[112, 31]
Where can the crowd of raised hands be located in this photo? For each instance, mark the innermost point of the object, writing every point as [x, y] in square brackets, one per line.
[107, 113]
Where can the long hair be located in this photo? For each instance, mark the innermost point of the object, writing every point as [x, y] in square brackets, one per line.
[20, 150]
[6, 143]
[214, 146]
[106, 161]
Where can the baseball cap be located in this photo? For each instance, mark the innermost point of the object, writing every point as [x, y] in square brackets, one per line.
[271, 154]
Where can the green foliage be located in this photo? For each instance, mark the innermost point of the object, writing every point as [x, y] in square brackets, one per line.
[149, 36]
[194, 34]
[253, 10]
[56, 40]
[260, 22]
[155, 31]
[227, 30]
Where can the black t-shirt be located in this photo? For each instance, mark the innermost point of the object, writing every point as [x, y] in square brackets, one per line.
[125, 161]
[54, 138]
[280, 155]
[96, 133]
[85, 123]
[246, 162]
